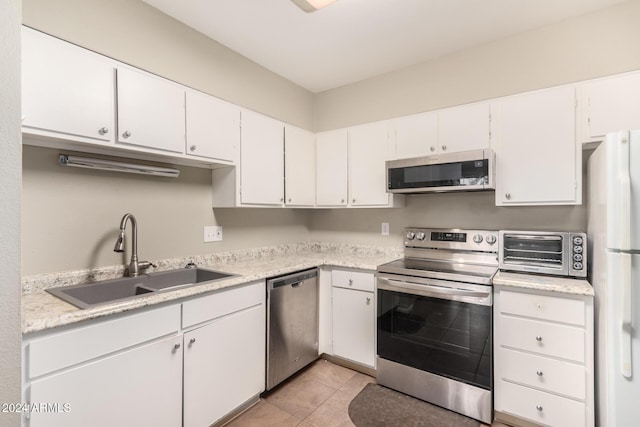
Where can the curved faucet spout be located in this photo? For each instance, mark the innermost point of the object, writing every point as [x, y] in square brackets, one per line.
[134, 266]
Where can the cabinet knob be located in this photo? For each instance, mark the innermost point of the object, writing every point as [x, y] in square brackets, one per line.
[289, 199]
[350, 282]
[103, 130]
[432, 148]
[192, 341]
[126, 134]
[507, 196]
[368, 300]
[539, 408]
[444, 148]
[281, 199]
[353, 200]
[192, 148]
[539, 373]
[341, 200]
[538, 338]
[176, 347]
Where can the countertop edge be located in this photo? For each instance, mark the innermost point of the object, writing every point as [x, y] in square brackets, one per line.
[556, 284]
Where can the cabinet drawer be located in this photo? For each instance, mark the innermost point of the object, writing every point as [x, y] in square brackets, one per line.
[84, 343]
[565, 310]
[540, 407]
[547, 374]
[222, 303]
[363, 281]
[562, 341]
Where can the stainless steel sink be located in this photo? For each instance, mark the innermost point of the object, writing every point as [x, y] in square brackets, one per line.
[107, 291]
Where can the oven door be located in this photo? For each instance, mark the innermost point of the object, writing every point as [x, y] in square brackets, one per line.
[436, 326]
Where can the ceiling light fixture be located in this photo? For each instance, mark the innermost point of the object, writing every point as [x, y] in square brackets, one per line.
[312, 5]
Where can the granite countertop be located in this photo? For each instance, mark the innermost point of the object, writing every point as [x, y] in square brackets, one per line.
[41, 310]
[565, 285]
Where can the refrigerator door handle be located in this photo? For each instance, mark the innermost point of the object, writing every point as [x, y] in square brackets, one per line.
[625, 337]
[624, 152]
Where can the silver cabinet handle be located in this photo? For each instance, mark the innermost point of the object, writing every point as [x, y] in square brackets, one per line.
[176, 347]
[539, 408]
[103, 130]
[538, 338]
[350, 282]
[507, 196]
[539, 373]
[341, 200]
[353, 200]
[432, 148]
[281, 199]
[192, 148]
[289, 199]
[126, 134]
[444, 148]
[368, 300]
[192, 341]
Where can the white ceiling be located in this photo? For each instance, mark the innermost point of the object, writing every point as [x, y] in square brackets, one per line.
[352, 40]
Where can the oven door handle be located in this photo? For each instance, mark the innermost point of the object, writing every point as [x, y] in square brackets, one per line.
[430, 290]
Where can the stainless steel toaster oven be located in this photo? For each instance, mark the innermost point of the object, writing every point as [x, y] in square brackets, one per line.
[544, 252]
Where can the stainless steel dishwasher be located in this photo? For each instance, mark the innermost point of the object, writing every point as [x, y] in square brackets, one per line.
[292, 324]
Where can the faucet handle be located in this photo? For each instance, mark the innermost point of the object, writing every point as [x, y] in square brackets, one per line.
[143, 265]
[191, 264]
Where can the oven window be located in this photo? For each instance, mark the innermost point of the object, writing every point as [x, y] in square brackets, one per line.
[447, 338]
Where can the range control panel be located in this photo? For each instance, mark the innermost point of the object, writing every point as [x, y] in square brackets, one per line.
[472, 240]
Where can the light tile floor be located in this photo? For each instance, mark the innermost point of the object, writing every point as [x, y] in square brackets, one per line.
[319, 396]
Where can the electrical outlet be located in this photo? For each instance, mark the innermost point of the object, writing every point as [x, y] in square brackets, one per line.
[213, 233]
[384, 229]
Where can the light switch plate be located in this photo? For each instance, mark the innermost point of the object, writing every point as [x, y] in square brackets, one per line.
[213, 233]
[384, 230]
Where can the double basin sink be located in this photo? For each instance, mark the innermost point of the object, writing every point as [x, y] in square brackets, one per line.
[115, 290]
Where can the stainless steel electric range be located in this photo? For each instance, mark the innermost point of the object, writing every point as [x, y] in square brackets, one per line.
[434, 319]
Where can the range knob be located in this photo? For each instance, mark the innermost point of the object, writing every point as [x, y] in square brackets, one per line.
[577, 249]
[491, 239]
[410, 235]
[577, 257]
[577, 241]
[577, 266]
[420, 235]
[478, 238]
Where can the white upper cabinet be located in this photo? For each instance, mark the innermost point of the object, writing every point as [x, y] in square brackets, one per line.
[299, 167]
[67, 91]
[150, 111]
[415, 135]
[464, 128]
[538, 159]
[213, 127]
[612, 104]
[369, 149]
[261, 160]
[332, 168]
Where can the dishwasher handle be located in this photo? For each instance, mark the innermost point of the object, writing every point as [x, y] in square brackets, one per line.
[294, 279]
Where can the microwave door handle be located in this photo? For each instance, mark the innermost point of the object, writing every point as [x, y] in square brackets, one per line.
[428, 290]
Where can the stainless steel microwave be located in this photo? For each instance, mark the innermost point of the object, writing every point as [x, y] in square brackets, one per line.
[545, 252]
[462, 171]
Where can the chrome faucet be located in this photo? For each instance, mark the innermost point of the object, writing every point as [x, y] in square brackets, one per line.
[135, 266]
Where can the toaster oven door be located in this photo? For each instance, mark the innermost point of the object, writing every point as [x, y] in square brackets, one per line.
[536, 252]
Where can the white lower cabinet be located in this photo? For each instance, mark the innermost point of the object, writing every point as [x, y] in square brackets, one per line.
[354, 316]
[543, 358]
[133, 388]
[224, 364]
[146, 368]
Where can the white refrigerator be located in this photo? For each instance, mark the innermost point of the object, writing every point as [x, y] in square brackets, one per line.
[614, 239]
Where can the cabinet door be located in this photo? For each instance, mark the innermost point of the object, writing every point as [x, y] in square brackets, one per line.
[537, 156]
[213, 127]
[416, 135]
[368, 152]
[66, 90]
[261, 160]
[224, 365]
[151, 111]
[464, 128]
[300, 167]
[331, 168]
[354, 328]
[134, 388]
[614, 104]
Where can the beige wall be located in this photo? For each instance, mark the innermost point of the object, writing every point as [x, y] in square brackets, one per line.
[10, 147]
[135, 33]
[71, 216]
[594, 45]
